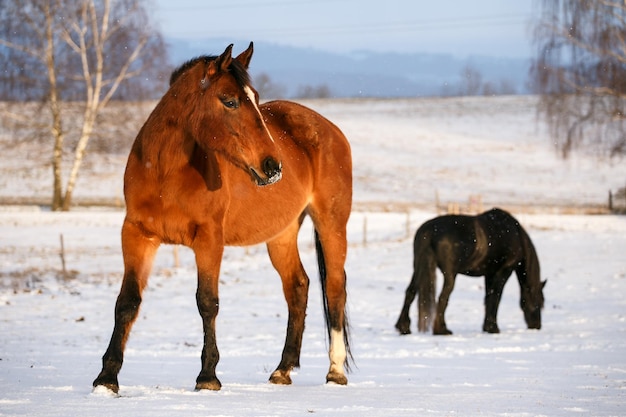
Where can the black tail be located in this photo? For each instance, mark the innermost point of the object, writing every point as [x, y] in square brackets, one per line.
[424, 271]
[321, 263]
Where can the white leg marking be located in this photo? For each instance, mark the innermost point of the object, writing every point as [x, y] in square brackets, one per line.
[337, 351]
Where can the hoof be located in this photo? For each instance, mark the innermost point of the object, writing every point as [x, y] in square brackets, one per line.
[106, 382]
[336, 378]
[212, 385]
[106, 389]
[440, 328]
[442, 332]
[403, 328]
[490, 326]
[280, 378]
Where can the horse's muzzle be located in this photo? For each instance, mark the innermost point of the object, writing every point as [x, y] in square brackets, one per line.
[272, 172]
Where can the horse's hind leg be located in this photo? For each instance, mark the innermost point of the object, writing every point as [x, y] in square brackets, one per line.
[138, 251]
[439, 327]
[283, 252]
[332, 256]
[404, 321]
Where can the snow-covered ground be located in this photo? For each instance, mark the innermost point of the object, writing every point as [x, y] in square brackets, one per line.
[55, 328]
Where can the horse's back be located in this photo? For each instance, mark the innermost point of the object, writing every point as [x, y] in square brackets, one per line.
[307, 129]
[501, 228]
[473, 245]
[444, 230]
[504, 235]
[317, 143]
[498, 220]
[452, 238]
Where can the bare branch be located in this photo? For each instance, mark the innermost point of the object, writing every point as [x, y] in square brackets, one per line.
[580, 70]
[123, 73]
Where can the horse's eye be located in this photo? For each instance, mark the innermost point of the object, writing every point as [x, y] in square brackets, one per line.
[230, 103]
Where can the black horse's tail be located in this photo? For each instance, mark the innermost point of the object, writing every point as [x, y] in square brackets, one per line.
[321, 263]
[424, 278]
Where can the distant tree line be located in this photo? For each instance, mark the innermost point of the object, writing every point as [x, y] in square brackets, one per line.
[472, 83]
[268, 89]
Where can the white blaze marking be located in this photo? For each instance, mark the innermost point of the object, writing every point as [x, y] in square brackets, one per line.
[252, 98]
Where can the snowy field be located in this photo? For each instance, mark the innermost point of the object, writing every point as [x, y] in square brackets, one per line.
[55, 328]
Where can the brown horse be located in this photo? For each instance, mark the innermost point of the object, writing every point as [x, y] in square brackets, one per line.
[211, 167]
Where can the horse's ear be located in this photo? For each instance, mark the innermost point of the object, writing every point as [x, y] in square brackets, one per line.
[543, 284]
[222, 62]
[245, 57]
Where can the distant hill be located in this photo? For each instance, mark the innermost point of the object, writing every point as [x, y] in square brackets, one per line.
[366, 73]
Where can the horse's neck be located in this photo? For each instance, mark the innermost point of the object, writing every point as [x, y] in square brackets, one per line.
[163, 140]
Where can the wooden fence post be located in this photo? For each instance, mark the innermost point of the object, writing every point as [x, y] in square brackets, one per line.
[62, 255]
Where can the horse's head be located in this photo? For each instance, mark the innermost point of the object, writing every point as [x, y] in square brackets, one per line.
[532, 303]
[222, 113]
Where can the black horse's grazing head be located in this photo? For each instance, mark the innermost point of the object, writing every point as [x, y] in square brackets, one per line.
[531, 303]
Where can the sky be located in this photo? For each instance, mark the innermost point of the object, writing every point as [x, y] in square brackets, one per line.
[458, 27]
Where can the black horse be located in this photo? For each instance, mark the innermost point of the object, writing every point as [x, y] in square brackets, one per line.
[493, 245]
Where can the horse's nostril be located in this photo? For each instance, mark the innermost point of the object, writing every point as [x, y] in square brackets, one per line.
[271, 167]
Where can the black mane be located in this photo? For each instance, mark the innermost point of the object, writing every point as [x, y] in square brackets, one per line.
[235, 67]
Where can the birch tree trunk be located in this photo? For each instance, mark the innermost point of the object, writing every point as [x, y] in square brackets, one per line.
[55, 112]
[88, 38]
[93, 82]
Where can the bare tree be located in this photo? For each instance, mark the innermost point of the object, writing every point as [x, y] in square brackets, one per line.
[319, 91]
[498, 88]
[87, 50]
[507, 87]
[471, 81]
[267, 88]
[580, 72]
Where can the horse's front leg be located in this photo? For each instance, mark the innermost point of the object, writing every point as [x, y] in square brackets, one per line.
[283, 252]
[439, 326]
[208, 251]
[138, 251]
[494, 285]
